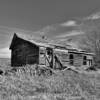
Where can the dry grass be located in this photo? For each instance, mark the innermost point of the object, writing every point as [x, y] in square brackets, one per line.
[62, 85]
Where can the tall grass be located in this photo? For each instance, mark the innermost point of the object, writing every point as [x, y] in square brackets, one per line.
[27, 83]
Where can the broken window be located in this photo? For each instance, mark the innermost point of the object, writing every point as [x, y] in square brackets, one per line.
[71, 58]
[84, 60]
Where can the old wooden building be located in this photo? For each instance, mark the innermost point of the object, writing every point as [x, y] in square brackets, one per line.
[29, 51]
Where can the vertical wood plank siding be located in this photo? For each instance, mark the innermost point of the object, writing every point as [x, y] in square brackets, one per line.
[24, 53]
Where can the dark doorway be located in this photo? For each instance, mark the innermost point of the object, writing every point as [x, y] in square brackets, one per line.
[49, 55]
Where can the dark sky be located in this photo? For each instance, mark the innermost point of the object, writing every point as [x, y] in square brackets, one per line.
[33, 15]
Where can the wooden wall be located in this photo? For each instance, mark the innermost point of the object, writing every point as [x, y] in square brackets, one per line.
[77, 59]
[24, 53]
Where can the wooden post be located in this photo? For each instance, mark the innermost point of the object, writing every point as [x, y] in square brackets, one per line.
[53, 58]
[39, 56]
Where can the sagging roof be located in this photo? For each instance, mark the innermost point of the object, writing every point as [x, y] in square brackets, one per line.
[38, 41]
[46, 43]
[29, 38]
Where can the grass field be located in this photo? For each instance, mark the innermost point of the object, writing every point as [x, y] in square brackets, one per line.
[61, 85]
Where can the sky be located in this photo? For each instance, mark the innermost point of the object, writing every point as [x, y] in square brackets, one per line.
[27, 16]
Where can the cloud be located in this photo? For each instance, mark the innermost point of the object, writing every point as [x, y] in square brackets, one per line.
[10, 30]
[6, 34]
[5, 53]
[94, 16]
[72, 33]
[69, 23]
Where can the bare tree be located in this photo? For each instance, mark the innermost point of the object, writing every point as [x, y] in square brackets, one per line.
[91, 43]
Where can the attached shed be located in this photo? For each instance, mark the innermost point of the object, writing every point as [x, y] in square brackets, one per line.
[79, 58]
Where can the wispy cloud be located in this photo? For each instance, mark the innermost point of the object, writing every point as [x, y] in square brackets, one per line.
[6, 34]
[10, 30]
[72, 33]
[69, 23]
[94, 16]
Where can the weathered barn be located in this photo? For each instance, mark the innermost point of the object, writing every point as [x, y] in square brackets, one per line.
[27, 51]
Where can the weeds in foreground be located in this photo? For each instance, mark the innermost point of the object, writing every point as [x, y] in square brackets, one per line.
[27, 84]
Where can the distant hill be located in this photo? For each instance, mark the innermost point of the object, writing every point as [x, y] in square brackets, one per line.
[4, 61]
